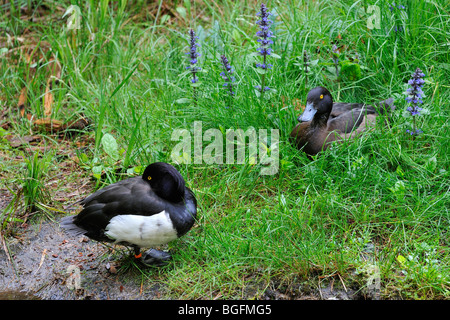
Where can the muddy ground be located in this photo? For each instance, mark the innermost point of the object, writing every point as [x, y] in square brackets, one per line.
[47, 264]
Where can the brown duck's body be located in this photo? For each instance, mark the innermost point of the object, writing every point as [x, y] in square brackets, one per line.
[328, 121]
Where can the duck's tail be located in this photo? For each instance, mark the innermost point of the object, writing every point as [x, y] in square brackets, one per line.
[70, 227]
[385, 106]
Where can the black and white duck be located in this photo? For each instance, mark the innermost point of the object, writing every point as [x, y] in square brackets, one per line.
[141, 212]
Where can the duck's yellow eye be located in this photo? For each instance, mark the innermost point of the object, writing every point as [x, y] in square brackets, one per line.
[321, 96]
[149, 178]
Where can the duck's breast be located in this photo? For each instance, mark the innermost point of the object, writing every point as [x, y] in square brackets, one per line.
[301, 133]
[143, 231]
[183, 214]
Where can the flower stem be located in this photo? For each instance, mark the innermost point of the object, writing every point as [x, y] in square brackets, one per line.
[263, 79]
[194, 95]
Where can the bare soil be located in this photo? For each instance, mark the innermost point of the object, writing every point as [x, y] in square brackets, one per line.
[46, 264]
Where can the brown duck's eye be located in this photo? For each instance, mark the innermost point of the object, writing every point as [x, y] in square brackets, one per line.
[321, 96]
[149, 178]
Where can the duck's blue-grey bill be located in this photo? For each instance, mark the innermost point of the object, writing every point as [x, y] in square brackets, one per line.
[308, 114]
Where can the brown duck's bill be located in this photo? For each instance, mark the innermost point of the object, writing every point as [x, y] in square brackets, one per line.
[308, 114]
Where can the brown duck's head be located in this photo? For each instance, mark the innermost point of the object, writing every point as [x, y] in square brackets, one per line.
[319, 101]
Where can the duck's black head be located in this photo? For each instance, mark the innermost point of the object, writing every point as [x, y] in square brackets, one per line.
[319, 101]
[165, 181]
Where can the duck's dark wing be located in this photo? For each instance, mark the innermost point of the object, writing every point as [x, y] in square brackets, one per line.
[340, 108]
[346, 117]
[130, 196]
[108, 193]
[382, 107]
[350, 120]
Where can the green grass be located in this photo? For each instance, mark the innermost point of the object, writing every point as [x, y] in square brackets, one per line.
[381, 201]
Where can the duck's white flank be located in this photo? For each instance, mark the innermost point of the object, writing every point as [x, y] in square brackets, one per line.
[143, 231]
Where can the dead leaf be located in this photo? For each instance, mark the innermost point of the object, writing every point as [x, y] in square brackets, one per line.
[54, 125]
[5, 248]
[54, 68]
[112, 268]
[17, 141]
[22, 101]
[48, 99]
[79, 124]
[50, 125]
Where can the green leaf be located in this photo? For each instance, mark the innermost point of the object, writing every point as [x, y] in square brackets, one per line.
[164, 19]
[399, 171]
[97, 171]
[399, 190]
[182, 12]
[350, 71]
[134, 170]
[401, 259]
[275, 56]
[197, 84]
[236, 36]
[110, 147]
[83, 157]
[431, 163]
[187, 4]
[13, 219]
[261, 71]
[183, 100]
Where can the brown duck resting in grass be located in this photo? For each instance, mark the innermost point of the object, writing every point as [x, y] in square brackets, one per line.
[323, 121]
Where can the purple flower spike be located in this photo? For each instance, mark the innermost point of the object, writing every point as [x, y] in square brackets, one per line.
[414, 98]
[415, 92]
[264, 35]
[193, 55]
[227, 75]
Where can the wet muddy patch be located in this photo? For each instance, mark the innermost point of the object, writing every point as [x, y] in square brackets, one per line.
[45, 264]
